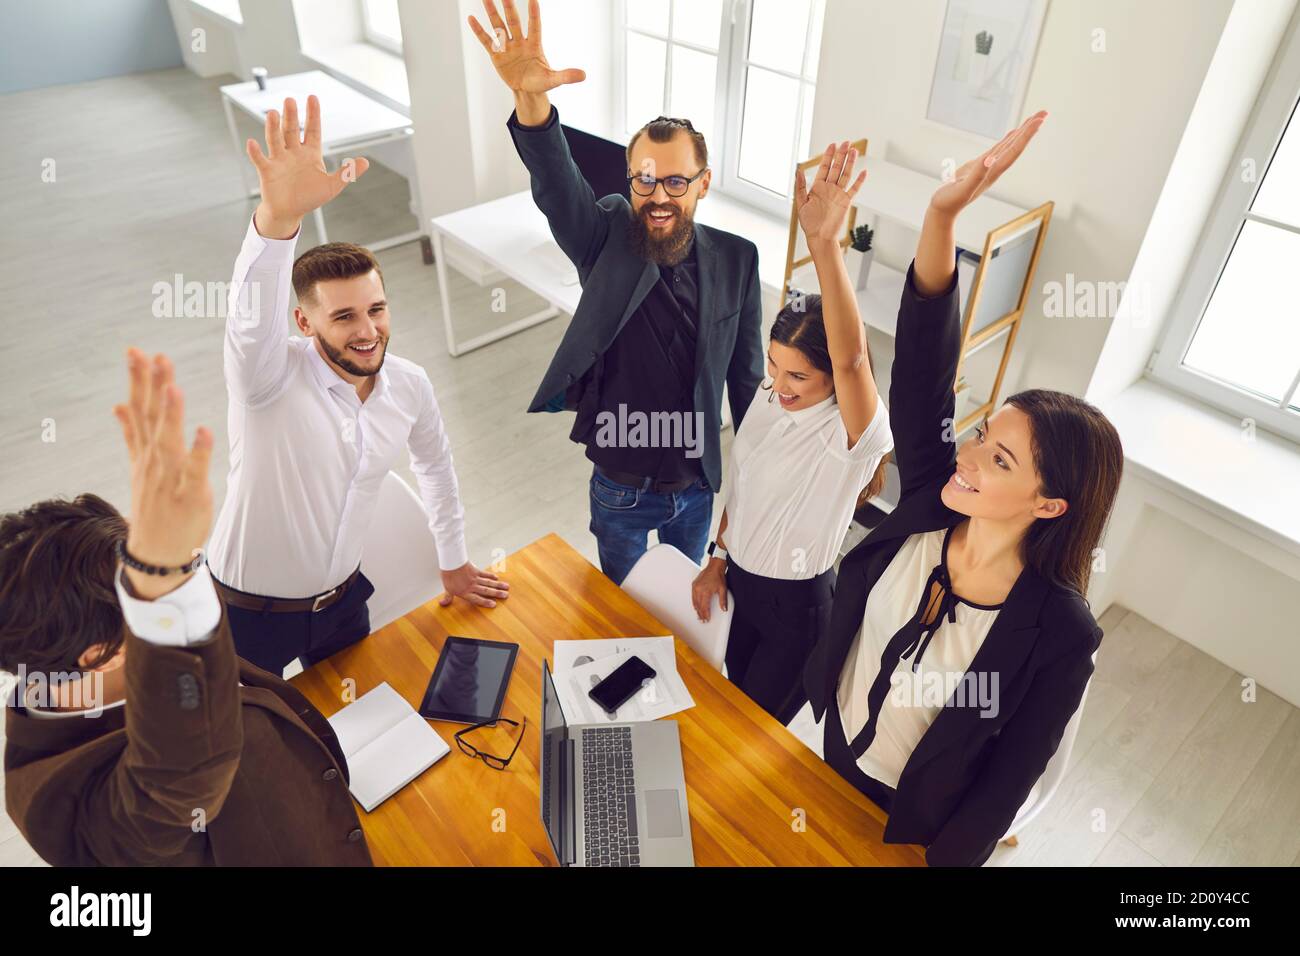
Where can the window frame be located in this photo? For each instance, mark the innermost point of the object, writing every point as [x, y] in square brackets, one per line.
[381, 40]
[733, 61]
[1277, 104]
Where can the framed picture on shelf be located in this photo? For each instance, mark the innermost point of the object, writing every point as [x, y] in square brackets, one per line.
[986, 53]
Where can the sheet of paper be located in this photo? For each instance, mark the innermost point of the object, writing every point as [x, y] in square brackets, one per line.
[587, 665]
[569, 654]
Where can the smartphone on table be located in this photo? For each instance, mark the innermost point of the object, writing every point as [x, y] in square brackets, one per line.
[621, 683]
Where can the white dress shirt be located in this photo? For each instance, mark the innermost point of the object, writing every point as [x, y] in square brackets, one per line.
[307, 457]
[915, 698]
[793, 485]
[185, 616]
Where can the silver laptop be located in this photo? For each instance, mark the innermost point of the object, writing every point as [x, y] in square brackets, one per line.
[613, 794]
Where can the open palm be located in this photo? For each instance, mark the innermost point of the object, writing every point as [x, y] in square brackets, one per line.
[292, 171]
[824, 208]
[975, 176]
[519, 59]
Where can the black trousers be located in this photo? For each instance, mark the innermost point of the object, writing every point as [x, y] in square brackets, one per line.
[775, 624]
[837, 752]
[271, 639]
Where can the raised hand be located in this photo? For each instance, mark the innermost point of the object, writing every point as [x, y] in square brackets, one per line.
[477, 587]
[936, 249]
[292, 171]
[519, 59]
[975, 176]
[171, 498]
[824, 209]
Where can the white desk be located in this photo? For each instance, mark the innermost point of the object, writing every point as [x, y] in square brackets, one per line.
[902, 195]
[351, 122]
[512, 236]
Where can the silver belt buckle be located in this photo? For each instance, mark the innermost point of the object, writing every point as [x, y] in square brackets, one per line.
[315, 605]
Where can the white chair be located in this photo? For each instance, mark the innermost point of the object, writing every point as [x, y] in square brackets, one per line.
[398, 554]
[660, 582]
[1052, 774]
[398, 557]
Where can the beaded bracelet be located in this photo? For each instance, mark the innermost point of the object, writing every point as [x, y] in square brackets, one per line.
[132, 563]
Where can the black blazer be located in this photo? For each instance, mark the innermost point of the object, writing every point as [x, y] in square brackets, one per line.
[615, 280]
[970, 774]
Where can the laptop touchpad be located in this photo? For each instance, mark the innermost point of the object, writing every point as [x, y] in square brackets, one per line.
[663, 813]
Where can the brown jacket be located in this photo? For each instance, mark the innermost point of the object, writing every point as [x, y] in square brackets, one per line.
[208, 773]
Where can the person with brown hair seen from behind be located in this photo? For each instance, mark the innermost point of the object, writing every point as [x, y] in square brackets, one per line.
[316, 422]
[134, 735]
[814, 437]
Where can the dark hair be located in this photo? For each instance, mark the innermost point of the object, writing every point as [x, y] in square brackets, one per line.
[1078, 456]
[800, 326]
[334, 260]
[662, 129]
[56, 584]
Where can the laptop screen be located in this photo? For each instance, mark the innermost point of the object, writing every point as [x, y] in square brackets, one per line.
[554, 791]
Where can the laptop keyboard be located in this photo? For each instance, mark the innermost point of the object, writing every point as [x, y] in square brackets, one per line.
[609, 797]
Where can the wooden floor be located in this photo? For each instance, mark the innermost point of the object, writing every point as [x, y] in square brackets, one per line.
[1170, 766]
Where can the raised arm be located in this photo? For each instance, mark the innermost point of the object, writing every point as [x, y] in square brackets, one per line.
[928, 343]
[937, 250]
[431, 461]
[184, 733]
[823, 212]
[294, 182]
[559, 188]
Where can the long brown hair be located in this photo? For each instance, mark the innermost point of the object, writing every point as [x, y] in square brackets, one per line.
[1078, 456]
[800, 326]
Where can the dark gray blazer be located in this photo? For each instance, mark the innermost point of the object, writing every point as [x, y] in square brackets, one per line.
[615, 280]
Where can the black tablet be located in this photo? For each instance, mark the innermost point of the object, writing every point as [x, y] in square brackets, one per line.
[469, 681]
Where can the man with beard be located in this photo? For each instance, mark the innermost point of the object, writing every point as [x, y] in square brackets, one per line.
[670, 311]
[316, 422]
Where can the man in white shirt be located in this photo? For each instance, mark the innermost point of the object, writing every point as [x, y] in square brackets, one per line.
[316, 422]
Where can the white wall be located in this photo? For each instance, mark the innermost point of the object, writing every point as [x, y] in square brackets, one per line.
[1116, 119]
[1174, 561]
[1210, 141]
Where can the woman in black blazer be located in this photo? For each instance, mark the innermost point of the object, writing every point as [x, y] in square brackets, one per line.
[1019, 509]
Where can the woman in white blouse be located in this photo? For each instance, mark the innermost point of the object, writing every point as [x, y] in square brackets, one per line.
[960, 640]
[812, 440]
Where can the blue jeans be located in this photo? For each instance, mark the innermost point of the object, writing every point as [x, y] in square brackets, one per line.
[622, 517]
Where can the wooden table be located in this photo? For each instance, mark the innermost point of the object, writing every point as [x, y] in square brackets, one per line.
[757, 795]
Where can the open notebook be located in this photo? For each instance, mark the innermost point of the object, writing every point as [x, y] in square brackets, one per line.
[387, 744]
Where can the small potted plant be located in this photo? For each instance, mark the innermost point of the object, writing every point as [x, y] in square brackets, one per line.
[860, 254]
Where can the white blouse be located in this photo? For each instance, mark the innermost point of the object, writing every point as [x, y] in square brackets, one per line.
[793, 485]
[915, 697]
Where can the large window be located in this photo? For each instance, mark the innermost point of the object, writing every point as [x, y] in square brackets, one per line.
[743, 72]
[383, 28]
[1234, 336]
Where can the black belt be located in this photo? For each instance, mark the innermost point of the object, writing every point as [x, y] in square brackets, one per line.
[257, 602]
[646, 484]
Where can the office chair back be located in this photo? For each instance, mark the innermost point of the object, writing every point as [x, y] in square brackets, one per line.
[398, 554]
[1053, 773]
[661, 583]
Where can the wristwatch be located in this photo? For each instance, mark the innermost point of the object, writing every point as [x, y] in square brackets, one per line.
[717, 551]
